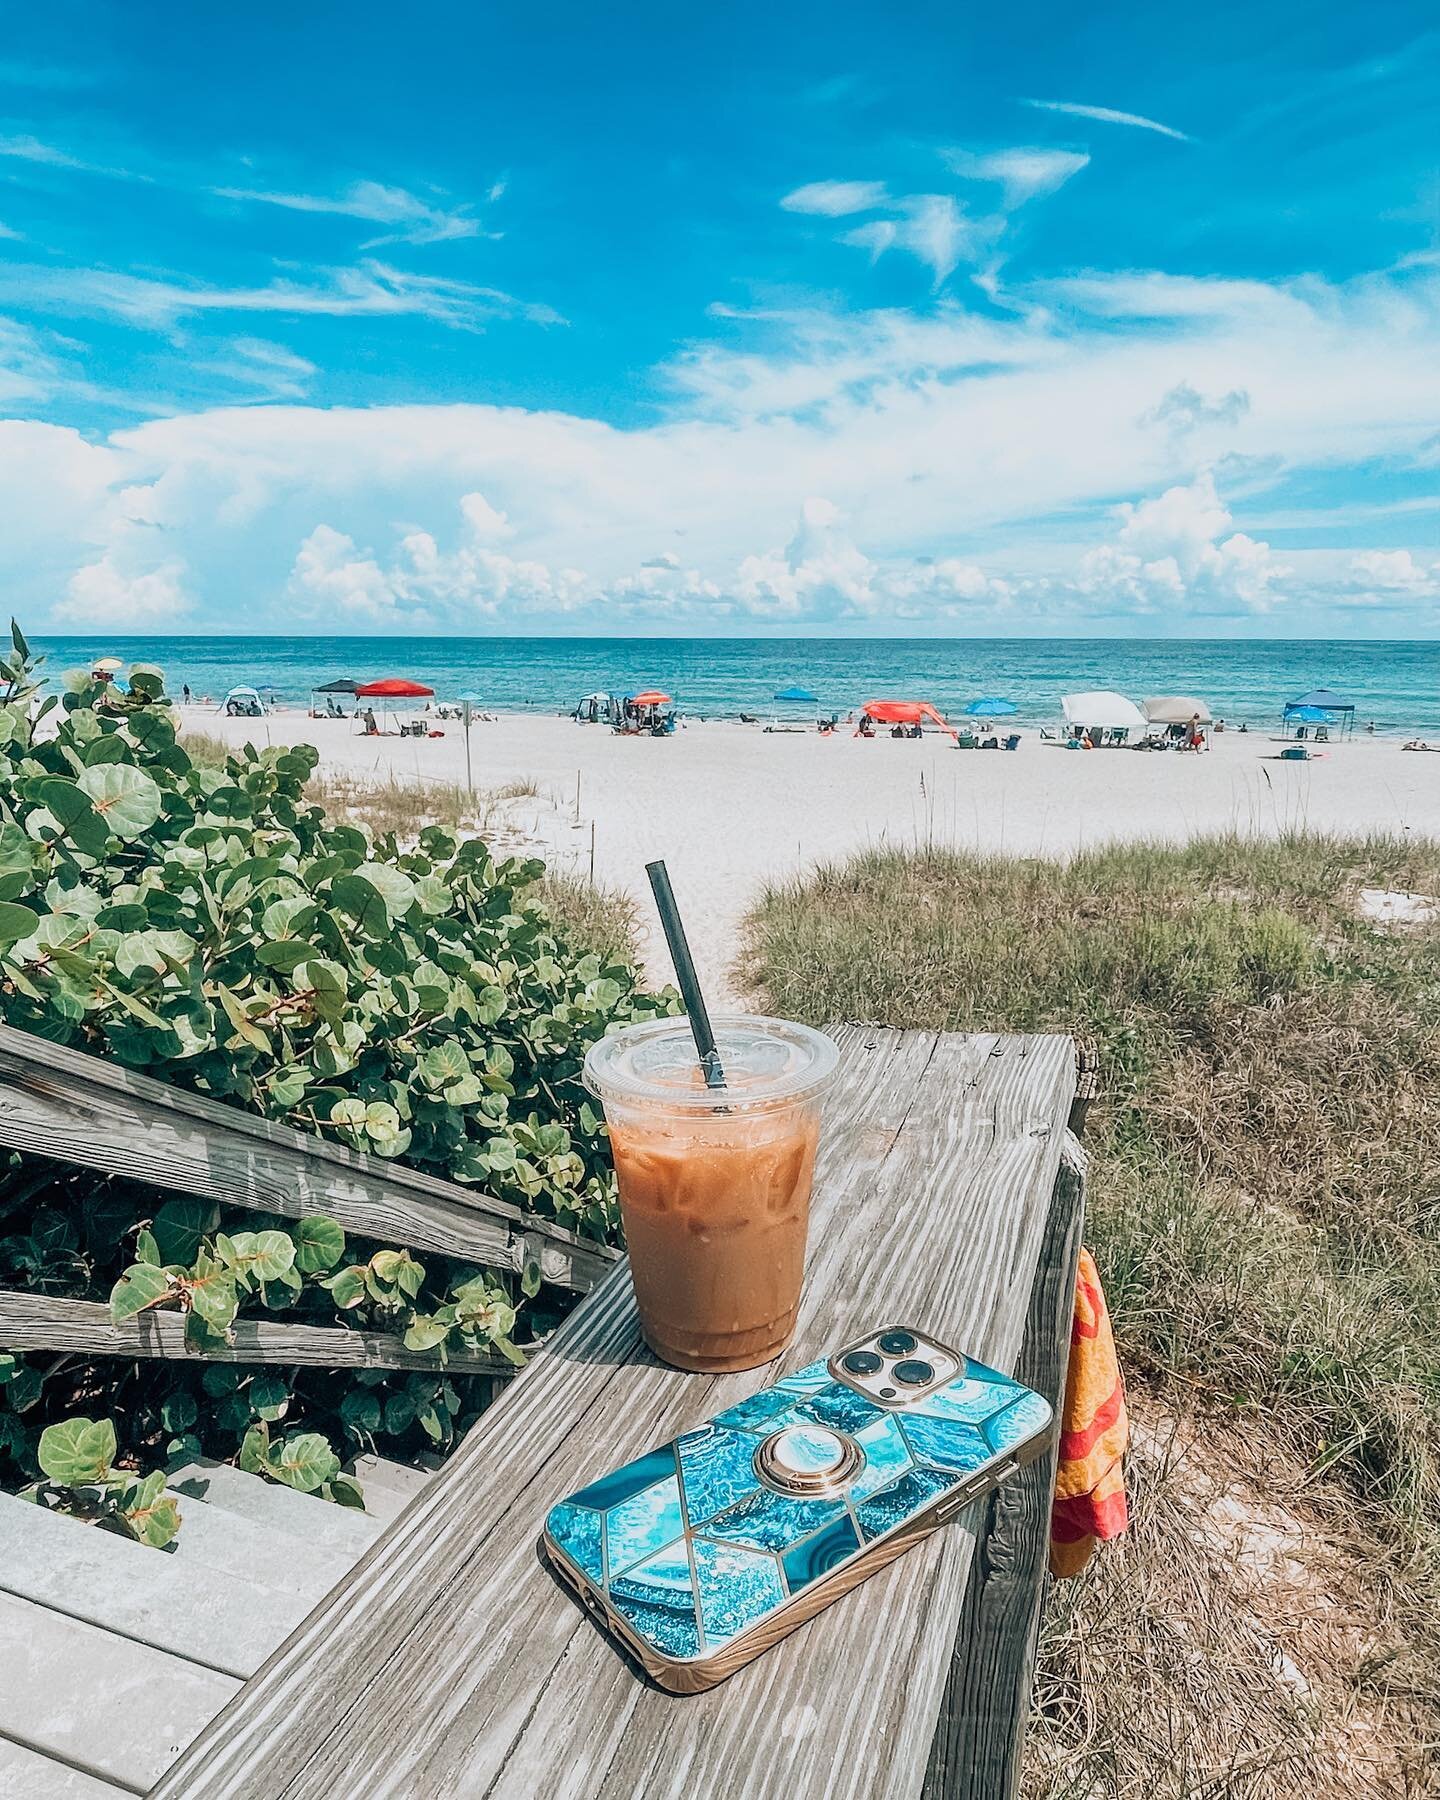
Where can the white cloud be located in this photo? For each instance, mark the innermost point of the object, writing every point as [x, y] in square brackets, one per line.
[1021, 173]
[1107, 115]
[105, 593]
[1184, 408]
[931, 227]
[996, 441]
[415, 221]
[1173, 551]
[371, 289]
[30, 149]
[834, 199]
[1395, 574]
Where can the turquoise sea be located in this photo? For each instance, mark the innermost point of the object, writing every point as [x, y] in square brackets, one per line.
[1395, 684]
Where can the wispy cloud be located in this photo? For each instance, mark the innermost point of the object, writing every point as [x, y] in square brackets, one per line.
[1107, 115]
[270, 370]
[834, 199]
[371, 289]
[30, 149]
[931, 227]
[415, 221]
[1022, 173]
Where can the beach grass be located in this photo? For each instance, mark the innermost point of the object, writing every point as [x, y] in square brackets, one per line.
[1264, 1206]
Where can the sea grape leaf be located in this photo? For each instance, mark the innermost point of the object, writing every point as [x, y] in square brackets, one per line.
[142, 1286]
[319, 1243]
[305, 1462]
[180, 1227]
[77, 1452]
[125, 797]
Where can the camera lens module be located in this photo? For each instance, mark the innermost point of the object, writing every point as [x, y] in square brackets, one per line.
[913, 1372]
[861, 1362]
[897, 1343]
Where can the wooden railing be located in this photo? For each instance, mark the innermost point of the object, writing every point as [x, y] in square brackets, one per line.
[61, 1103]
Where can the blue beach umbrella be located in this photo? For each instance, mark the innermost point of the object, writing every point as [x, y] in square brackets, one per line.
[991, 708]
[798, 693]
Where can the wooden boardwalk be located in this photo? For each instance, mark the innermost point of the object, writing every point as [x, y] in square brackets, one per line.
[450, 1662]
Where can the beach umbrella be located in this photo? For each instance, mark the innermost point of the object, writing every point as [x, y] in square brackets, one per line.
[651, 697]
[1176, 709]
[905, 712]
[108, 663]
[798, 694]
[1103, 708]
[990, 708]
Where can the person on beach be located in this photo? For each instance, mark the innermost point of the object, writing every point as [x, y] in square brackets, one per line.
[185, 693]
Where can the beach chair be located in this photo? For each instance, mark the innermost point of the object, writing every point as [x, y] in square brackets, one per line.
[965, 741]
[1322, 734]
[1013, 741]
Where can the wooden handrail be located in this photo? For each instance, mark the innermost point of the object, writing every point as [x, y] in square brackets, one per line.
[85, 1328]
[60, 1102]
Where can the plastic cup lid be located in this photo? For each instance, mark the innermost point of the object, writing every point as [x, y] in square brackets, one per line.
[766, 1061]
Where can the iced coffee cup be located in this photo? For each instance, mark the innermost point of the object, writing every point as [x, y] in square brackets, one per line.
[714, 1181]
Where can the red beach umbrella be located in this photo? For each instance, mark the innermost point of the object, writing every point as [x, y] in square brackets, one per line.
[904, 712]
[394, 687]
[651, 697]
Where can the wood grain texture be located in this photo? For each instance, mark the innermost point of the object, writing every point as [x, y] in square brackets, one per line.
[976, 1752]
[55, 1101]
[84, 1328]
[450, 1662]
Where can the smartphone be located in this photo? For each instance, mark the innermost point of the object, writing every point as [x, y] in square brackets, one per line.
[709, 1549]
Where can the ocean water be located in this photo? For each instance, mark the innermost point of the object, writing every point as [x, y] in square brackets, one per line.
[1395, 684]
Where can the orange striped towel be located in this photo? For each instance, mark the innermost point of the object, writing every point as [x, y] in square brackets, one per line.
[1094, 1430]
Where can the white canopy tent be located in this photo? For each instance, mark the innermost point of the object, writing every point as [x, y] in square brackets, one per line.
[1103, 709]
[1176, 709]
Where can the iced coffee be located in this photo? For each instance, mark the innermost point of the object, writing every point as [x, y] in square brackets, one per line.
[715, 1182]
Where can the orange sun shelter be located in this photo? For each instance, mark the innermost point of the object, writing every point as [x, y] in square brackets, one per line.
[903, 712]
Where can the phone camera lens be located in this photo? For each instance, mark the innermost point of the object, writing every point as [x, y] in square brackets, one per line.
[861, 1362]
[913, 1372]
[897, 1343]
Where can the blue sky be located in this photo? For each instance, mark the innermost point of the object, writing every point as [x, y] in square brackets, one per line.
[797, 318]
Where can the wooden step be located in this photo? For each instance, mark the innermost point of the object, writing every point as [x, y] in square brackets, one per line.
[220, 1621]
[318, 1524]
[27, 1775]
[105, 1706]
[389, 1486]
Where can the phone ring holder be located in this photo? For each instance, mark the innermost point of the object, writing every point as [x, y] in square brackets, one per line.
[808, 1461]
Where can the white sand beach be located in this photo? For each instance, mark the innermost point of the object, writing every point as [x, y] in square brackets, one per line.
[731, 807]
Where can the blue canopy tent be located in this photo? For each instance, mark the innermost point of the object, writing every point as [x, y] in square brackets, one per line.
[1321, 706]
[990, 708]
[799, 694]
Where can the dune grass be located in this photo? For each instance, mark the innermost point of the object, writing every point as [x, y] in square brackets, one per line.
[1264, 1206]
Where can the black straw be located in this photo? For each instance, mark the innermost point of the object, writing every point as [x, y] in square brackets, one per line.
[685, 973]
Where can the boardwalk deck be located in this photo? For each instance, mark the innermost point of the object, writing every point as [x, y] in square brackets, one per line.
[450, 1662]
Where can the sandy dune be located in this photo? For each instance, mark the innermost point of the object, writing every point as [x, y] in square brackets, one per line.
[730, 807]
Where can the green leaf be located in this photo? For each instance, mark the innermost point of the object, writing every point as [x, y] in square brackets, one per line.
[213, 1298]
[181, 1226]
[73, 815]
[16, 922]
[345, 1490]
[143, 1285]
[125, 797]
[305, 1462]
[360, 1410]
[347, 1289]
[426, 1333]
[444, 1063]
[153, 1516]
[77, 1452]
[319, 1244]
[270, 1397]
[266, 1255]
[179, 1410]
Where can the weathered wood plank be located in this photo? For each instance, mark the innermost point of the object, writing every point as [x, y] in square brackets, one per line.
[976, 1752]
[85, 1328]
[452, 1663]
[59, 1102]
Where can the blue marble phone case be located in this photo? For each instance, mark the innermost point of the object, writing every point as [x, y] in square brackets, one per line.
[691, 1550]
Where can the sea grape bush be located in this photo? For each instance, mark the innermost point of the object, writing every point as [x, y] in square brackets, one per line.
[205, 923]
[78, 1475]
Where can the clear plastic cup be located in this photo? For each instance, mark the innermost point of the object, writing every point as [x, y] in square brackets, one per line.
[714, 1182]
